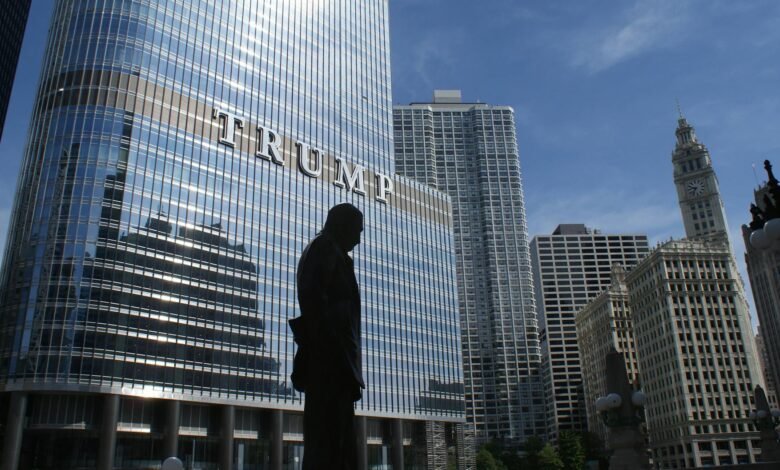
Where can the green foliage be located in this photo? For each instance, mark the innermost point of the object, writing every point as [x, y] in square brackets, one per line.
[548, 459]
[570, 450]
[532, 447]
[503, 457]
[594, 449]
[485, 460]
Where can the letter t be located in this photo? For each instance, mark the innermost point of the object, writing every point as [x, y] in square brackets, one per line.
[227, 127]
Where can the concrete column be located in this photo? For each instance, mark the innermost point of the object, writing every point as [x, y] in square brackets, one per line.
[14, 430]
[277, 439]
[227, 426]
[362, 442]
[397, 436]
[107, 444]
[171, 416]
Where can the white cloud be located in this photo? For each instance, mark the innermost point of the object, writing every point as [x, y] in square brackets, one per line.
[434, 52]
[648, 25]
[611, 211]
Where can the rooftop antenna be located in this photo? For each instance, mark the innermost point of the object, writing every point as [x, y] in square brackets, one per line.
[679, 109]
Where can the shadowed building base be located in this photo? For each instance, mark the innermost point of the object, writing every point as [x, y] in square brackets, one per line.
[50, 431]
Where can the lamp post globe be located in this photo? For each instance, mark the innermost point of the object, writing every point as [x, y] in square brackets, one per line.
[760, 240]
[772, 229]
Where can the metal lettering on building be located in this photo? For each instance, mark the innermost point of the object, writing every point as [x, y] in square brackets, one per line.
[310, 159]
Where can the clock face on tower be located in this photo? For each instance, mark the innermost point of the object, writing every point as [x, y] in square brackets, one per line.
[695, 187]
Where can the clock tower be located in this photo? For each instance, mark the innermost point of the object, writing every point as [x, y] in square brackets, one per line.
[697, 186]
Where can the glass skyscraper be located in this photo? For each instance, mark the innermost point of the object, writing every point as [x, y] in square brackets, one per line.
[13, 19]
[180, 157]
[469, 151]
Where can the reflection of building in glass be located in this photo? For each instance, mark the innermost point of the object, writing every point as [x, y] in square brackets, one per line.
[197, 290]
[469, 151]
[602, 325]
[571, 267]
[150, 270]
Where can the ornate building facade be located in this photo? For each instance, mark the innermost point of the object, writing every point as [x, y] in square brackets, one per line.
[697, 356]
[603, 325]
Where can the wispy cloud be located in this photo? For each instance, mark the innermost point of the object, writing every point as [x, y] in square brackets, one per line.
[615, 211]
[434, 52]
[647, 25]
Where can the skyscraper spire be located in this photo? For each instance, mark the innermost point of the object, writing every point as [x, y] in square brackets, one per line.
[697, 185]
[686, 135]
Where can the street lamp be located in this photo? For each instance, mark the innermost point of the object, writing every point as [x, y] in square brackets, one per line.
[766, 420]
[622, 412]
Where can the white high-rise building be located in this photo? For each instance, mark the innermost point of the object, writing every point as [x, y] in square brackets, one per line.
[697, 186]
[697, 357]
[571, 267]
[469, 151]
[604, 324]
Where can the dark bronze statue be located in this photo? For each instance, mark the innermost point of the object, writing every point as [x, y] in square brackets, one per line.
[327, 366]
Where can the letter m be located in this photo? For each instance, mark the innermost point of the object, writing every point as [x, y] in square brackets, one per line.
[351, 181]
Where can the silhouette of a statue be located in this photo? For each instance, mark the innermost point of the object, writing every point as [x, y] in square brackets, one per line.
[327, 366]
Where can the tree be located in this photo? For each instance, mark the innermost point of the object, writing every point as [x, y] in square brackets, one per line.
[506, 457]
[570, 450]
[532, 447]
[485, 460]
[548, 459]
[594, 449]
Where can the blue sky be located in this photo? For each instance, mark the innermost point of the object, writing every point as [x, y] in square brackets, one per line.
[593, 84]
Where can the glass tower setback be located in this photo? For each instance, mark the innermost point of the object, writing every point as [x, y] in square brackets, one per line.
[469, 151]
[13, 19]
[180, 157]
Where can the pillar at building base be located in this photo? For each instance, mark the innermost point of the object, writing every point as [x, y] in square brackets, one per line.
[770, 447]
[107, 444]
[397, 437]
[628, 447]
[362, 442]
[277, 439]
[227, 427]
[172, 417]
[14, 430]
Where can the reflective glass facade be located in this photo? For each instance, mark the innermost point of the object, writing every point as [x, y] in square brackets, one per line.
[13, 19]
[152, 250]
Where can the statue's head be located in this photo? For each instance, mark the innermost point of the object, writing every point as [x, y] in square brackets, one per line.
[344, 224]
